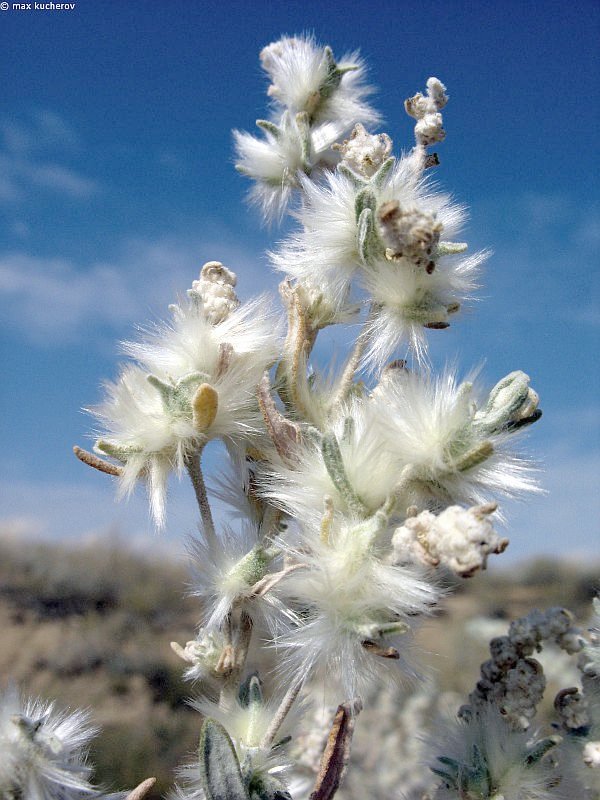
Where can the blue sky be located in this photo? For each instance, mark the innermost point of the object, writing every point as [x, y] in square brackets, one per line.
[117, 183]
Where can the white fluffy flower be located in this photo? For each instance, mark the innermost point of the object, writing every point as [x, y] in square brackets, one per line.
[354, 610]
[43, 753]
[225, 572]
[432, 427]
[355, 468]
[195, 380]
[384, 231]
[416, 437]
[288, 150]
[245, 720]
[306, 78]
[325, 249]
[203, 654]
[408, 301]
[316, 102]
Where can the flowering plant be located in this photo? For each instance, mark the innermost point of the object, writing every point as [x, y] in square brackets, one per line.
[349, 497]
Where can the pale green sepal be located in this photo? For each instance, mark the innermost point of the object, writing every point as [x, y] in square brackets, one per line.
[176, 397]
[365, 234]
[475, 778]
[375, 630]
[303, 125]
[357, 181]
[364, 199]
[349, 427]
[449, 762]
[449, 780]
[334, 74]
[450, 248]
[379, 177]
[164, 389]
[334, 464]
[269, 127]
[219, 767]
[505, 401]
[253, 566]
[119, 452]
[472, 458]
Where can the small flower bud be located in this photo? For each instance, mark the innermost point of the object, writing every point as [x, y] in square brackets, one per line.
[215, 291]
[510, 402]
[572, 709]
[409, 233]
[425, 109]
[363, 152]
[461, 539]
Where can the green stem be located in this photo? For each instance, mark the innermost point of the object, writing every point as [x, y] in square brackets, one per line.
[282, 712]
[192, 464]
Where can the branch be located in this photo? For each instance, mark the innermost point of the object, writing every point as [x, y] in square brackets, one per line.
[142, 790]
[337, 752]
[97, 463]
[192, 464]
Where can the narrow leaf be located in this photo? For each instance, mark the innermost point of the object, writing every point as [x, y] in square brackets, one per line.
[379, 177]
[219, 768]
[337, 472]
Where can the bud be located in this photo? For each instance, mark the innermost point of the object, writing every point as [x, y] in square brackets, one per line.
[409, 233]
[363, 152]
[511, 403]
[460, 538]
[215, 291]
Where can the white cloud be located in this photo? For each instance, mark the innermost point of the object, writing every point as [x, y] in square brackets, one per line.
[40, 130]
[29, 158]
[53, 300]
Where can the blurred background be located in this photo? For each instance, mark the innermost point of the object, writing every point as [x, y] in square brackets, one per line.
[117, 184]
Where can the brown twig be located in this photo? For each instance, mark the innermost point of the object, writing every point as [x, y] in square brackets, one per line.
[97, 463]
[142, 790]
[337, 752]
[284, 434]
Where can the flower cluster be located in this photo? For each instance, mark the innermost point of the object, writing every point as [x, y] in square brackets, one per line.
[375, 223]
[194, 381]
[316, 100]
[350, 492]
